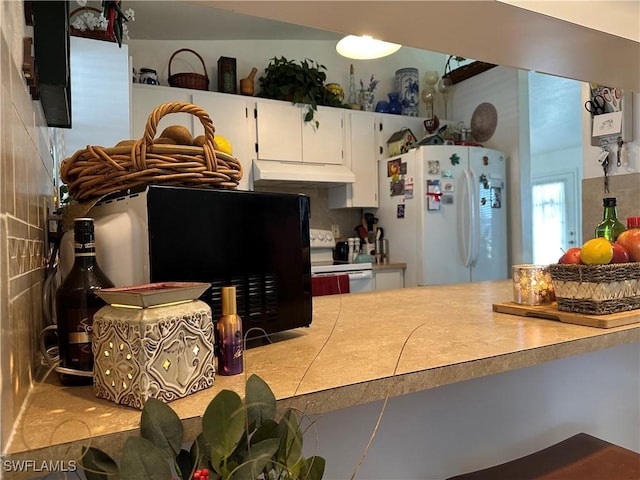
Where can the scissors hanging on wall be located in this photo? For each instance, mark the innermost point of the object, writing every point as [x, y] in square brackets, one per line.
[595, 106]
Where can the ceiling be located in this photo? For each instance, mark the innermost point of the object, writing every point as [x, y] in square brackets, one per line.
[183, 20]
[187, 20]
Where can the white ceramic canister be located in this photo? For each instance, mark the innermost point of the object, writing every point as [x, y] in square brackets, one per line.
[407, 82]
[148, 76]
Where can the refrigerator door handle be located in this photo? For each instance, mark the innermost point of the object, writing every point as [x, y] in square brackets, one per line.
[468, 219]
[475, 205]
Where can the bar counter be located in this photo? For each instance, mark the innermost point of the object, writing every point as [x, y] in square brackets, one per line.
[359, 348]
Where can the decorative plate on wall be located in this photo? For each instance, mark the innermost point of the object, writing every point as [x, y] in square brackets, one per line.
[483, 122]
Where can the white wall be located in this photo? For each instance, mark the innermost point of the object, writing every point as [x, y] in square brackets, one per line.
[466, 426]
[503, 87]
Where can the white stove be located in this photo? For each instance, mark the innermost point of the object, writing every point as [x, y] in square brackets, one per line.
[322, 245]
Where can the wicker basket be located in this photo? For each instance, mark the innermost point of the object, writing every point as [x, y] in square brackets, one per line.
[94, 34]
[596, 289]
[97, 171]
[189, 80]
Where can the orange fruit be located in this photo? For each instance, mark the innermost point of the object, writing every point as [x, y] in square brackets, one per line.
[597, 251]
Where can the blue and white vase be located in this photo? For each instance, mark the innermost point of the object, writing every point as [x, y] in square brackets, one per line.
[407, 82]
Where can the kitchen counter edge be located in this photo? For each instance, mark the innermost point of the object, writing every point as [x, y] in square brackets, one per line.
[324, 392]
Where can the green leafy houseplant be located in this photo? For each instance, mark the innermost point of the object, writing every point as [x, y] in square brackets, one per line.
[239, 441]
[298, 82]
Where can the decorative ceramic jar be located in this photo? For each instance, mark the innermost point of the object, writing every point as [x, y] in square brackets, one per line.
[164, 352]
[336, 89]
[149, 76]
[408, 84]
[366, 100]
[395, 106]
[382, 106]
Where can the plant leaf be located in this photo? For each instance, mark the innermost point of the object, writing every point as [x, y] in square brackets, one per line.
[262, 454]
[185, 464]
[98, 465]
[260, 401]
[200, 452]
[290, 439]
[223, 425]
[141, 460]
[161, 426]
[312, 468]
[268, 429]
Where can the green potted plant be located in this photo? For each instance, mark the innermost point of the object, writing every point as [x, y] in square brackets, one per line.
[239, 441]
[298, 82]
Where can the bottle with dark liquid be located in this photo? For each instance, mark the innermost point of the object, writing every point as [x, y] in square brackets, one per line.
[610, 227]
[76, 303]
[229, 327]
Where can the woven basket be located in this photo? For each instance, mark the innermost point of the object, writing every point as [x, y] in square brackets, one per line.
[94, 34]
[189, 80]
[596, 289]
[97, 171]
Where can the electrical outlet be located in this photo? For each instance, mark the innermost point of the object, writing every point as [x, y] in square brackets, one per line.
[335, 229]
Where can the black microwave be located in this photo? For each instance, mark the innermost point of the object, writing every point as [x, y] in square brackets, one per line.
[255, 241]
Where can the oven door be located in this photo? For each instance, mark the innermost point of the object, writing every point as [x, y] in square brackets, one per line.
[347, 278]
[360, 281]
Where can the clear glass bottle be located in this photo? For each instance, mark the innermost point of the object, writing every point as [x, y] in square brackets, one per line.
[610, 227]
[229, 329]
[76, 303]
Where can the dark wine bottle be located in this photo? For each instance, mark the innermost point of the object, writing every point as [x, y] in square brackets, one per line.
[76, 303]
[229, 327]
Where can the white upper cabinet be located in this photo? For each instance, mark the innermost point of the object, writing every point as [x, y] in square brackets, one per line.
[232, 117]
[324, 143]
[283, 134]
[362, 153]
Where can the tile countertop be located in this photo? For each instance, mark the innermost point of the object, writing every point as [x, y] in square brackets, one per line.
[388, 266]
[432, 335]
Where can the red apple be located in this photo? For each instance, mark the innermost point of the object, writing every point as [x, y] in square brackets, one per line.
[571, 256]
[630, 240]
[620, 254]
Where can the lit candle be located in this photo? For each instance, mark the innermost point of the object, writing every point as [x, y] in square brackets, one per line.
[532, 285]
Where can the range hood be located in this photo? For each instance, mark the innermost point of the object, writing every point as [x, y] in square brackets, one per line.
[275, 173]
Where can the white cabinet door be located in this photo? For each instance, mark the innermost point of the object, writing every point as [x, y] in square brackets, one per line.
[324, 143]
[389, 279]
[279, 131]
[145, 98]
[395, 123]
[232, 117]
[284, 135]
[362, 148]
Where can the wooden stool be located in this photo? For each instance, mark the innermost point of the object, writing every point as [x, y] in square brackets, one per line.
[581, 457]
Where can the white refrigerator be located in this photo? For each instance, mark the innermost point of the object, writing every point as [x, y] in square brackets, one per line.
[443, 210]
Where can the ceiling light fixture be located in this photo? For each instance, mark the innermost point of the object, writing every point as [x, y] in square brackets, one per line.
[365, 47]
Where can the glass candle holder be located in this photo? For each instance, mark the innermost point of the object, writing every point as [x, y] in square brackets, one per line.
[532, 285]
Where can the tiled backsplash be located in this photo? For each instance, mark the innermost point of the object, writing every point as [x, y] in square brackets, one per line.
[321, 216]
[26, 172]
[626, 189]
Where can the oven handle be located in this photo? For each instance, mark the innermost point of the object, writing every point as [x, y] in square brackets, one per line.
[362, 275]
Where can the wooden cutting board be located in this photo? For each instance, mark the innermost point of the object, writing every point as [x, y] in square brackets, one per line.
[551, 312]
